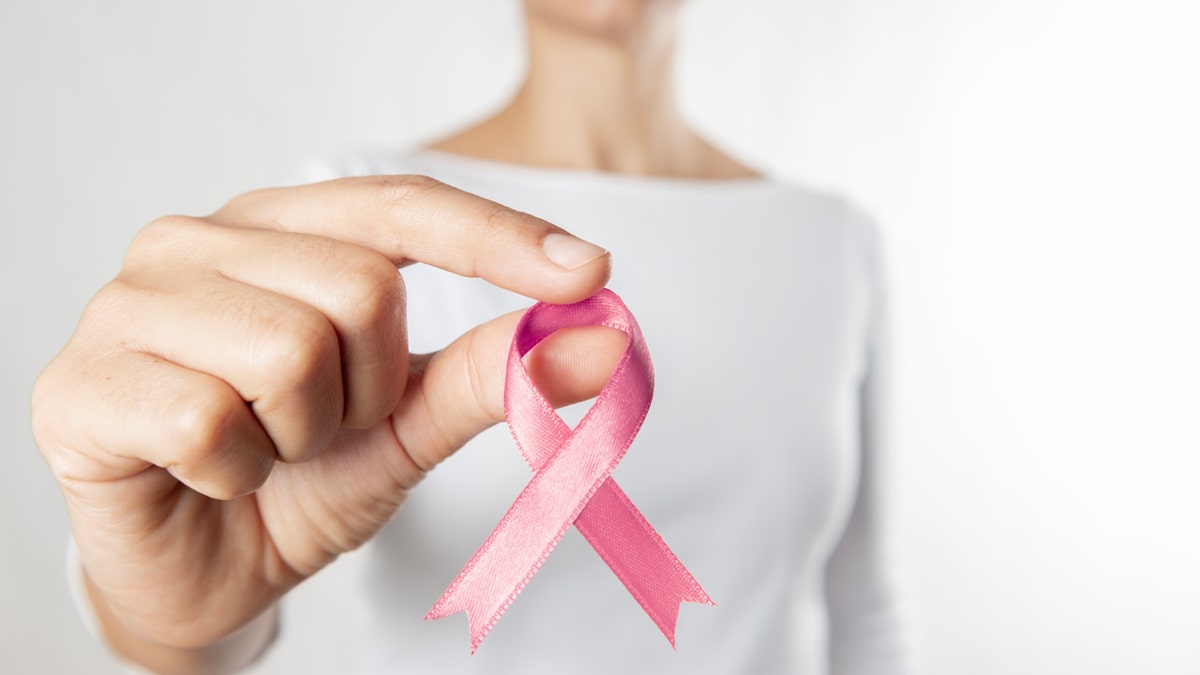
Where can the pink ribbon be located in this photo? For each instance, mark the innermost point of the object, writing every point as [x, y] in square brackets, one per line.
[571, 484]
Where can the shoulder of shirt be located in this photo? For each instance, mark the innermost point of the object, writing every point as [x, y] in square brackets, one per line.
[856, 226]
[838, 210]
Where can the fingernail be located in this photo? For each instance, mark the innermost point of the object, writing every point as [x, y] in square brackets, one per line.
[569, 252]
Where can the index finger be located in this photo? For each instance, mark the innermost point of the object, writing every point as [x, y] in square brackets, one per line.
[411, 218]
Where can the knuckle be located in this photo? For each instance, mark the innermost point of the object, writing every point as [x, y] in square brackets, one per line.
[45, 405]
[492, 230]
[61, 433]
[251, 201]
[498, 220]
[404, 189]
[478, 382]
[372, 293]
[158, 239]
[103, 324]
[112, 298]
[204, 424]
[498, 225]
[296, 348]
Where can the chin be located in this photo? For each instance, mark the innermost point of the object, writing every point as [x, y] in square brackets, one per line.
[602, 18]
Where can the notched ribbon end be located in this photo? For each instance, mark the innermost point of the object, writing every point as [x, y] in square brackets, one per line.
[572, 483]
[667, 625]
[478, 629]
[445, 606]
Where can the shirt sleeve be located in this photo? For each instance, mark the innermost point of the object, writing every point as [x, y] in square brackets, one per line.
[867, 633]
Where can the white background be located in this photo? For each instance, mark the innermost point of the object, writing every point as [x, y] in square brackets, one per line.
[1034, 162]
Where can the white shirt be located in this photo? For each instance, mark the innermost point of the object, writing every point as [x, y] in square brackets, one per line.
[758, 464]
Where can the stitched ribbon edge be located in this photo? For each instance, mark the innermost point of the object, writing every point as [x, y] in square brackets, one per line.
[673, 583]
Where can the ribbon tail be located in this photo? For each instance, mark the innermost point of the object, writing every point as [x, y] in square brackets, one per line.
[635, 552]
[498, 572]
[572, 485]
[478, 621]
[533, 526]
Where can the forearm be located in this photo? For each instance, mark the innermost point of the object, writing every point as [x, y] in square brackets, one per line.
[232, 653]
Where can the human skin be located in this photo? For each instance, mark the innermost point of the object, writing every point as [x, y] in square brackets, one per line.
[598, 95]
[238, 406]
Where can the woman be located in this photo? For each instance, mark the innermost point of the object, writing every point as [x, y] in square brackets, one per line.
[194, 512]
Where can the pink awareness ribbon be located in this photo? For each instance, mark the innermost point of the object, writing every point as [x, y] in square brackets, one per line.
[572, 484]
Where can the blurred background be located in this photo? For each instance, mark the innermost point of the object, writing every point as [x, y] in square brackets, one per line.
[1034, 164]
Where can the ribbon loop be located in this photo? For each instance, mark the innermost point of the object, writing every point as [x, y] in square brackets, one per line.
[572, 483]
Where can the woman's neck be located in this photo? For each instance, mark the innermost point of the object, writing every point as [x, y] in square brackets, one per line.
[597, 102]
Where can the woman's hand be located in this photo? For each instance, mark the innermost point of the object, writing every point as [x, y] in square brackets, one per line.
[238, 406]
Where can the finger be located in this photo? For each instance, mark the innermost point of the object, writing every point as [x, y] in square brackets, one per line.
[415, 218]
[145, 410]
[281, 356]
[358, 291]
[459, 391]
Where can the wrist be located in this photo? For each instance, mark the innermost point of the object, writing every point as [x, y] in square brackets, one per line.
[231, 653]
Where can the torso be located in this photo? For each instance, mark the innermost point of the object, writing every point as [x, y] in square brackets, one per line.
[754, 299]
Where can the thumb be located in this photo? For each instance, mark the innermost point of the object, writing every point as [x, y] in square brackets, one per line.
[451, 396]
[455, 393]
